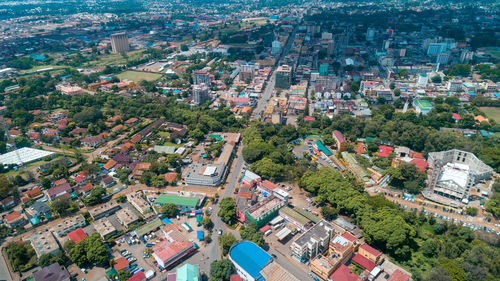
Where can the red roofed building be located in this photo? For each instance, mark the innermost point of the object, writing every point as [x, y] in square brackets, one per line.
[385, 151]
[172, 253]
[77, 235]
[267, 186]
[121, 264]
[309, 118]
[170, 177]
[139, 276]
[363, 262]
[421, 164]
[344, 273]
[416, 155]
[236, 277]
[341, 142]
[360, 149]
[14, 219]
[456, 116]
[35, 192]
[399, 275]
[370, 253]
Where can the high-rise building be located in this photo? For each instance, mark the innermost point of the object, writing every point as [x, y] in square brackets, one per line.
[201, 77]
[422, 80]
[435, 48]
[323, 69]
[275, 47]
[466, 56]
[443, 58]
[370, 34]
[200, 94]
[283, 77]
[119, 42]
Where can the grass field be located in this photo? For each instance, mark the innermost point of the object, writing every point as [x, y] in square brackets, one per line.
[495, 51]
[137, 76]
[492, 113]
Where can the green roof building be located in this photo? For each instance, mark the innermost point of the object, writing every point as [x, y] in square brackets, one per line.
[422, 106]
[188, 272]
[323, 69]
[185, 203]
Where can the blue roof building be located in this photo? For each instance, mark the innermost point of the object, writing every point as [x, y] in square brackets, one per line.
[249, 259]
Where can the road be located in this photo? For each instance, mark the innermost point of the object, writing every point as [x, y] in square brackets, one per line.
[214, 250]
[268, 92]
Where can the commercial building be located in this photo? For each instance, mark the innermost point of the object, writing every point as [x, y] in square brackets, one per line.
[167, 254]
[43, 242]
[344, 273]
[119, 42]
[264, 211]
[53, 272]
[204, 174]
[126, 217]
[312, 242]
[139, 203]
[104, 227]
[249, 259]
[201, 93]
[300, 218]
[275, 47]
[322, 266]
[68, 224]
[454, 173]
[186, 203]
[275, 272]
[283, 77]
[104, 210]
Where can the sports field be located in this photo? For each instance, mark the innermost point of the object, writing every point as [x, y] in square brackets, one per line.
[492, 113]
[137, 76]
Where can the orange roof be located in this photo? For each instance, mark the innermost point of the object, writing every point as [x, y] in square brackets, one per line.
[120, 264]
[360, 149]
[143, 166]
[12, 217]
[115, 118]
[34, 192]
[109, 164]
[127, 146]
[136, 138]
[88, 187]
[234, 109]
[131, 120]
[370, 250]
[169, 177]
[480, 118]
[77, 235]
[246, 109]
[117, 127]
[399, 275]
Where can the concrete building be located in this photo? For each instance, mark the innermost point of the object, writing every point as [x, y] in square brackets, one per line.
[443, 58]
[201, 93]
[422, 80]
[119, 42]
[284, 77]
[249, 259]
[104, 227]
[104, 210]
[422, 106]
[275, 47]
[312, 242]
[323, 69]
[204, 175]
[201, 77]
[264, 211]
[322, 266]
[341, 141]
[126, 217]
[139, 203]
[370, 34]
[43, 242]
[67, 225]
[454, 173]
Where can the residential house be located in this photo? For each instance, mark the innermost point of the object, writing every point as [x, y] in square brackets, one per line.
[53, 272]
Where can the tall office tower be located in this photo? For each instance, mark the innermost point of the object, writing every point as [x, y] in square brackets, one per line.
[200, 94]
[443, 58]
[283, 77]
[370, 34]
[275, 47]
[201, 77]
[119, 42]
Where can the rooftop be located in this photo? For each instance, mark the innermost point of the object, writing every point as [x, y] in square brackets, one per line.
[77, 235]
[178, 200]
[53, 272]
[250, 257]
[23, 155]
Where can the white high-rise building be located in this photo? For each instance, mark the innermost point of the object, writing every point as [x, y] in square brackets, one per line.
[370, 34]
[119, 42]
[275, 47]
[422, 80]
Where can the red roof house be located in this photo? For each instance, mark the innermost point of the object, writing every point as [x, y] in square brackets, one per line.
[344, 273]
[77, 235]
[363, 262]
[267, 186]
[384, 151]
[121, 264]
[421, 164]
[399, 275]
[139, 276]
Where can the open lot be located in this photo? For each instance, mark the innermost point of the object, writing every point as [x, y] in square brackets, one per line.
[492, 112]
[137, 76]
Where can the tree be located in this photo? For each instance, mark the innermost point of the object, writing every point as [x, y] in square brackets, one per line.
[430, 248]
[170, 210]
[184, 47]
[436, 79]
[207, 223]
[221, 270]
[46, 183]
[123, 275]
[397, 92]
[251, 233]
[63, 206]
[121, 199]
[68, 245]
[329, 213]
[471, 211]
[91, 250]
[95, 197]
[227, 211]
[45, 260]
[6, 187]
[226, 240]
